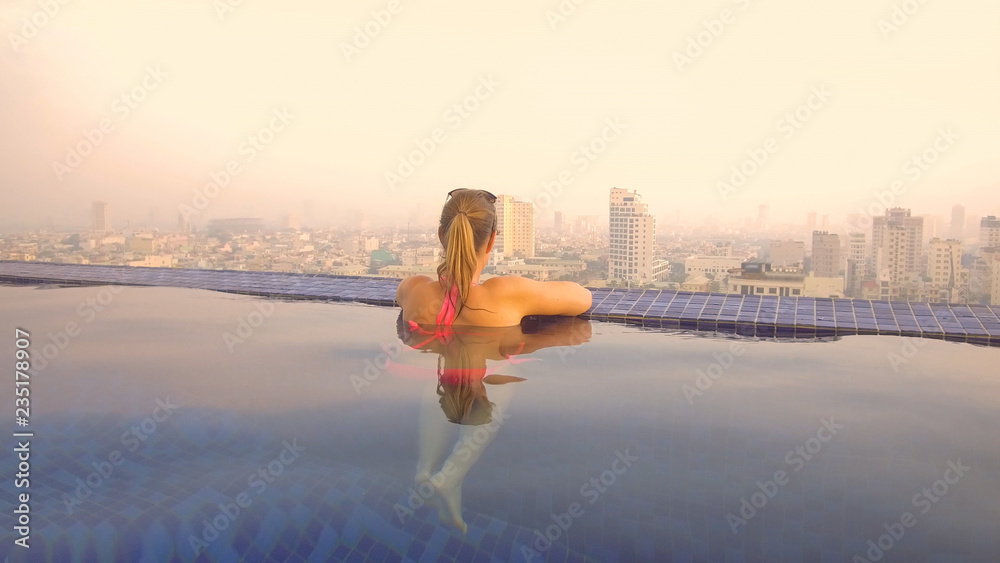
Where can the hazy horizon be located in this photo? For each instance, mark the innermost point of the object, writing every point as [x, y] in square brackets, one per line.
[340, 110]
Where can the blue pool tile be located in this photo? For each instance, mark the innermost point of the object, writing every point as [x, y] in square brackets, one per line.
[979, 323]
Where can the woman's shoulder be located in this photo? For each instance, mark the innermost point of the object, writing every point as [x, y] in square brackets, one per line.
[408, 285]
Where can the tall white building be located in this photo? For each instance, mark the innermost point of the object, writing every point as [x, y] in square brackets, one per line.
[632, 231]
[515, 228]
[857, 263]
[945, 270]
[989, 232]
[995, 290]
[101, 220]
[825, 254]
[897, 244]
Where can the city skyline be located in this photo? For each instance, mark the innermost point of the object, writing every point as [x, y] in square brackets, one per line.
[297, 109]
[901, 257]
[939, 225]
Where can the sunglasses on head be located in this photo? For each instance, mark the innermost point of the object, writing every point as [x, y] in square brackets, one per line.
[490, 197]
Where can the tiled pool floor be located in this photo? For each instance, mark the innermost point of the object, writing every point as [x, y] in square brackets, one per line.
[705, 420]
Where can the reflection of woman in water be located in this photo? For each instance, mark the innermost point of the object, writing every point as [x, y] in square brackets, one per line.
[468, 229]
[460, 393]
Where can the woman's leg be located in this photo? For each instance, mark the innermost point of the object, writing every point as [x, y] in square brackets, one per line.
[435, 435]
[472, 442]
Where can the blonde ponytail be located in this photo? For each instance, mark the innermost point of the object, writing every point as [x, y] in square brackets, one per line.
[460, 259]
[468, 220]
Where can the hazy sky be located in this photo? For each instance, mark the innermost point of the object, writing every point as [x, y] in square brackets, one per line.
[537, 86]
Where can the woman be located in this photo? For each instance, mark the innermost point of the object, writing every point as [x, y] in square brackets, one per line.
[468, 230]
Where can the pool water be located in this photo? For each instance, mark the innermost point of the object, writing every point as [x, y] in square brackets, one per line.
[180, 424]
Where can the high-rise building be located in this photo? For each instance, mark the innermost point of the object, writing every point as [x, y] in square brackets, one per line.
[948, 277]
[989, 232]
[632, 231]
[933, 227]
[825, 254]
[956, 229]
[183, 224]
[586, 224]
[857, 263]
[897, 244]
[944, 262]
[995, 294]
[762, 214]
[515, 227]
[101, 220]
[786, 253]
[558, 221]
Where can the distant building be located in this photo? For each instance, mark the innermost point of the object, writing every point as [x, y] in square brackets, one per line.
[720, 248]
[558, 221]
[763, 211]
[144, 243]
[661, 270]
[183, 224]
[948, 278]
[995, 293]
[757, 278]
[236, 225]
[359, 270]
[422, 256]
[364, 244]
[632, 231]
[156, 261]
[784, 253]
[956, 230]
[558, 263]
[857, 264]
[586, 224]
[535, 271]
[515, 227]
[697, 283]
[876, 290]
[989, 232]
[101, 219]
[716, 265]
[984, 275]
[825, 254]
[897, 244]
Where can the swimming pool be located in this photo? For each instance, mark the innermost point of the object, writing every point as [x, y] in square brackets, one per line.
[175, 424]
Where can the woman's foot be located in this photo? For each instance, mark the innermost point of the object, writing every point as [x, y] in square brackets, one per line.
[451, 512]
